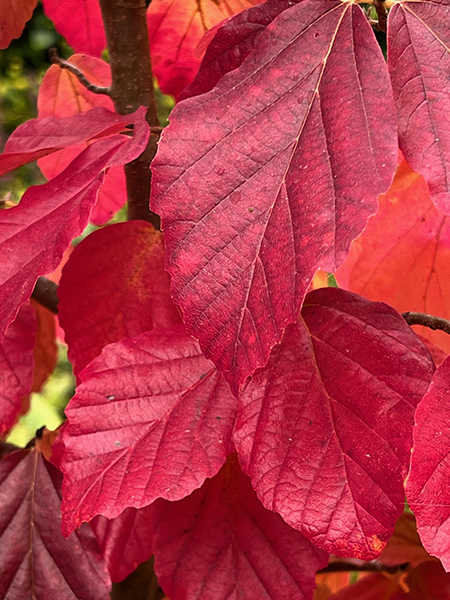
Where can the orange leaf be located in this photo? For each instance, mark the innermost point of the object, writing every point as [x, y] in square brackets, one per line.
[175, 29]
[402, 256]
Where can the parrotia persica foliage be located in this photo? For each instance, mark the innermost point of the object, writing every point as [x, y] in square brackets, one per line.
[233, 415]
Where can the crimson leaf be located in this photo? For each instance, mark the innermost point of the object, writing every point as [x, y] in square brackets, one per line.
[16, 365]
[152, 419]
[114, 286]
[221, 544]
[258, 182]
[35, 560]
[324, 430]
[39, 137]
[419, 62]
[125, 541]
[36, 233]
[428, 485]
[232, 43]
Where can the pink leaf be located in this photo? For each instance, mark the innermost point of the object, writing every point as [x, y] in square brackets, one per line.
[428, 484]
[35, 560]
[114, 286]
[233, 41]
[36, 233]
[80, 22]
[111, 197]
[13, 17]
[62, 95]
[125, 541]
[419, 62]
[16, 365]
[221, 544]
[152, 418]
[39, 137]
[259, 181]
[324, 431]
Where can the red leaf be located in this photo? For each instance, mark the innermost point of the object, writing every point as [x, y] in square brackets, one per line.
[16, 365]
[36, 233]
[39, 137]
[111, 197]
[35, 560]
[152, 419]
[233, 41]
[375, 586]
[428, 484]
[267, 188]
[324, 431]
[80, 22]
[114, 286]
[125, 541]
[62, 95]
[13, 16]
[404, 546]
[419, 60]
[221, 544]
[175, 28]
[45, 352]
[409, 269]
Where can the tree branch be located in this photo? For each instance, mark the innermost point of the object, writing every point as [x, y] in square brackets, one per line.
[95, 89]
[354, 564]
[417, 318]
[45, 292]
[126, 30]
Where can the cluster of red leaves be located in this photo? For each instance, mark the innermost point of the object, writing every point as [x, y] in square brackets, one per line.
[284, 433]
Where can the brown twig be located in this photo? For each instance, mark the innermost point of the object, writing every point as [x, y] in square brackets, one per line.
[125, 23]
[45, 292]
[354, 564]
[417, 318]
[381, 13]
[91, 87]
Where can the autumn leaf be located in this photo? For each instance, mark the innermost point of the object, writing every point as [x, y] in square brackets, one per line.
[45, 353]
[403, 254]
[427, 487]
[16, 366]
[233, 41]
[175, 28]
[79, 22]
[13, 17]
[125, 541]
[324, 430]
[152, 419]
[258, 182]
[221, 544]
[36, 233]
[419, 62]
[39, 137]
[62, 95]
[114, 286]
[35, 560]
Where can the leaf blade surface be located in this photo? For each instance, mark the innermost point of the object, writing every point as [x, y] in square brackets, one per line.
[114, 286]
[35, 560]
[419, 61]
[325, 430]
[221, 544]
[264, 192]
[166, 417]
